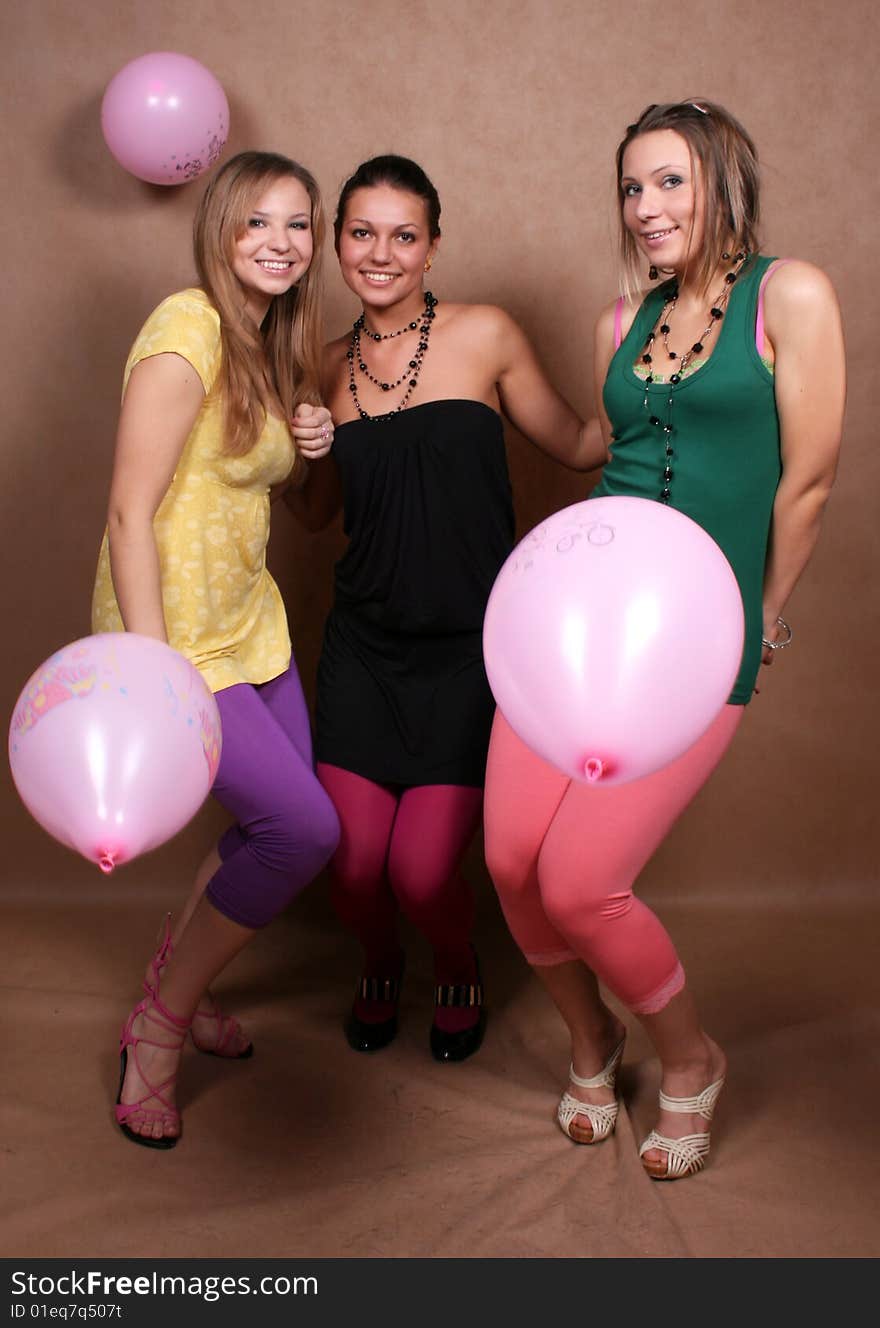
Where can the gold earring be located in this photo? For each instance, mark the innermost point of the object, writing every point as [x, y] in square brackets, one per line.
[428, 265]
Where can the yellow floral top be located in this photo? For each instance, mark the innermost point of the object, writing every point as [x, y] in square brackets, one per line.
[223, 610]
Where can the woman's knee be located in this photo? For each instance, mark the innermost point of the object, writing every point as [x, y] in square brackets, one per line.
[580, 903]
[356, 874]
[323, 825]
[510, 865]
[300, 833]
[419, 880]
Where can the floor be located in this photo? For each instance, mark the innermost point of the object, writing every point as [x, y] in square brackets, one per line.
[311, 1150]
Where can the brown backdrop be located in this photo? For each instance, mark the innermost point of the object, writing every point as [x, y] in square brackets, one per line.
[515, 110]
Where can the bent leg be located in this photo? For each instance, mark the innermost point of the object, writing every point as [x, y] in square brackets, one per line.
[523, 794]
[598, 843]
[283, 699]
[286, 832]
[359, 891]
[286, 827]
[432, 830]
[564, 858]
[434, 825]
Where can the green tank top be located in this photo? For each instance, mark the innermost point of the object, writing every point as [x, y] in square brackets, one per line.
[726, 463]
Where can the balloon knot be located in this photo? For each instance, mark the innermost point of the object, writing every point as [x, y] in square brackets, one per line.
[594, 769]
[107, 861]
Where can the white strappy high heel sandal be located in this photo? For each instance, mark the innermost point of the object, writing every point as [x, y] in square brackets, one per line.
[602, 1118]
[686, 1156]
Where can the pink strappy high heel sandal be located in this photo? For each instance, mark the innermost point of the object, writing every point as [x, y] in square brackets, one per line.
[228, 1028]
[175, 1029]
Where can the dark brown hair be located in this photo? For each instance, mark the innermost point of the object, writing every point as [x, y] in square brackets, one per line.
[399, 173]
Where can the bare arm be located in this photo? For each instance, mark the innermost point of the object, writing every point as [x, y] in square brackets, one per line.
[162, 400]
[802, 320]
[534, 406]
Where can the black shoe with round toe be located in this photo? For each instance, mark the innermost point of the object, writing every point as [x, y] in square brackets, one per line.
[364, 1035]
[463, 1043]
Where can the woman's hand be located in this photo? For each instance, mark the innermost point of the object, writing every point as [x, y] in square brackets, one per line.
[312, 429]
[772, 632]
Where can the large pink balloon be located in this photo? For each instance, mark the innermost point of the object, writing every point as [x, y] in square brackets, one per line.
[612, 637]
[165, 118]
[114, 745]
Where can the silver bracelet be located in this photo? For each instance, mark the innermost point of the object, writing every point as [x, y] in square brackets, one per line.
[778, 645]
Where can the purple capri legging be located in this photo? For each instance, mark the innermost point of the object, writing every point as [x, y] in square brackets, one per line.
[286, 828]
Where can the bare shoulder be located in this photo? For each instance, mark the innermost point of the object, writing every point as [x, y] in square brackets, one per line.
[479, 320]
[626, 310]
[487, 334]
[796, 288]
[605, 321]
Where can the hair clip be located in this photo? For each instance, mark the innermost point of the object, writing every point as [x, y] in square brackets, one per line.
[701, 109]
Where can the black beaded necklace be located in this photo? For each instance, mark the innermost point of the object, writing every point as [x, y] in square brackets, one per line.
[716, 313]
[361, 325]
[410, 375]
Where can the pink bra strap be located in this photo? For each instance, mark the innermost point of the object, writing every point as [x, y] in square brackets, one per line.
[759, 321]
[618, 323]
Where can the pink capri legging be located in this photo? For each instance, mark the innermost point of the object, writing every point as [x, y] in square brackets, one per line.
[564, 857]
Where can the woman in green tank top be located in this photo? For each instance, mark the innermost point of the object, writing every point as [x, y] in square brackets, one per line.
[720, 393]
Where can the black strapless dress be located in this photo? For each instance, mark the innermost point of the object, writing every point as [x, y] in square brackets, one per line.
[402, 691]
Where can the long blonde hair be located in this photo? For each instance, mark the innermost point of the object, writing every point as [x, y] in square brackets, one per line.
[730, 184]
[269, 369]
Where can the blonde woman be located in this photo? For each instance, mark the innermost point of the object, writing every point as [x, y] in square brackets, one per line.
[722, 391]
[213, 385]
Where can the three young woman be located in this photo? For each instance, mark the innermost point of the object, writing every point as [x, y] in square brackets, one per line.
[211, 384]
[722, 394]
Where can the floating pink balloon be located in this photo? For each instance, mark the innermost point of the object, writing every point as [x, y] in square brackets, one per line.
[114, 744]
[612, 637]
[165, 118]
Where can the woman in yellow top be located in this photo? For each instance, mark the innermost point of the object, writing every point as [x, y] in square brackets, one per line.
[210, 385]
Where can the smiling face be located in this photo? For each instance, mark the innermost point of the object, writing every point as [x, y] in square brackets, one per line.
[384, 243]
[275, 248]
[661, 199]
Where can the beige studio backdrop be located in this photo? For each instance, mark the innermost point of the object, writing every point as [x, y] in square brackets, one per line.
[515, 110]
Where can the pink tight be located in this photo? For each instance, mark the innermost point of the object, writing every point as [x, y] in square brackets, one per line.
[564, 857]
[403, 849]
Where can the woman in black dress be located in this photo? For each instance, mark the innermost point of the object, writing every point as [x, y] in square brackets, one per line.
[417, 391]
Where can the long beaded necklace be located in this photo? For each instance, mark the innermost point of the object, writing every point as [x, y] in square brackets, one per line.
[716, 313]
[410, 375]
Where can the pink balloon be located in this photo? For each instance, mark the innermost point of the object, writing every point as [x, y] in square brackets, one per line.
[165, 118]
[612, 638]
[114, 744]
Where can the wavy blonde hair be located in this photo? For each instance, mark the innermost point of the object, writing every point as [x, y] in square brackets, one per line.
[272, 368]
[728, 171]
